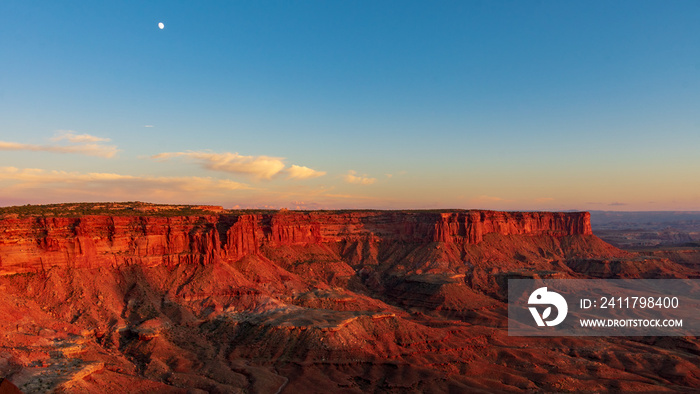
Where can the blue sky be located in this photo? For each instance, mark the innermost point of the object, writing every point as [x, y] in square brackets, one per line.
[515, 105]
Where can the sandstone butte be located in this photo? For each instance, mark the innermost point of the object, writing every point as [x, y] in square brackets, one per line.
[321, 301]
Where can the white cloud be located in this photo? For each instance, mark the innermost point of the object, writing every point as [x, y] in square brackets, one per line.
[84, 144]
[4, 145]
[88, 149]
[301, 172]
[261, 167]
[110, 186]
[70, 136]
[352, 177]
[258, 167]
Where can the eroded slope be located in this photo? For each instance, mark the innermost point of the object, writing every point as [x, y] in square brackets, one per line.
[313, 302]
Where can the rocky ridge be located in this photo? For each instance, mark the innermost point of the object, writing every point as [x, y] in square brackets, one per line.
[36, 243]
[346, 301]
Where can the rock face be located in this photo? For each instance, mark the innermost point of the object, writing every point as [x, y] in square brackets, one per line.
[313, 302]
[39, 243]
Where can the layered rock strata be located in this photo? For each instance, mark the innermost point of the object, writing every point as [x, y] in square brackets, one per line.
[37, 243]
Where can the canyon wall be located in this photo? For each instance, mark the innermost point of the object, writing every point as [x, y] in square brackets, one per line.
[39, 243]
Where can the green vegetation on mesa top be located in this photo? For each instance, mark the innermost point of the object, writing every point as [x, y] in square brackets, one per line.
[136, 208]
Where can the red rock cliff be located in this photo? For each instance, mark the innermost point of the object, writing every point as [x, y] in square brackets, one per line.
[38, 243]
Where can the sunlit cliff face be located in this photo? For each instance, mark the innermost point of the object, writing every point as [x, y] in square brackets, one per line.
[105, 240]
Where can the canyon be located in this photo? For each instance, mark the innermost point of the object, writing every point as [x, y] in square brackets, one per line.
[144, 298]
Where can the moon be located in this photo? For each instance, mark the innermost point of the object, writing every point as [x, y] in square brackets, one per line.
[161, 25]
